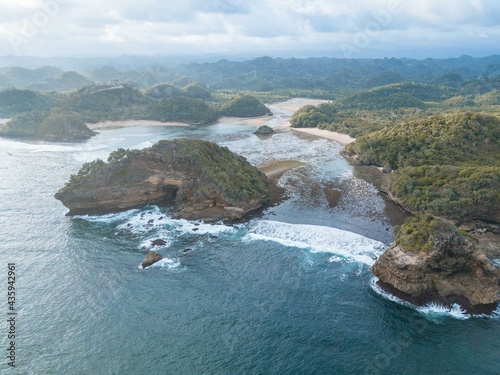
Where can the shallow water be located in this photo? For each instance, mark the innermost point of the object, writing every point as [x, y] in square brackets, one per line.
[289, 292]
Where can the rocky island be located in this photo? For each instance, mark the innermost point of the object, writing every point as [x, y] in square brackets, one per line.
[199, 179]
[431, 261]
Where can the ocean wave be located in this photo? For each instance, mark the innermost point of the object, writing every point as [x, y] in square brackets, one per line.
[433, 311]
[108, 218]
[345, 245]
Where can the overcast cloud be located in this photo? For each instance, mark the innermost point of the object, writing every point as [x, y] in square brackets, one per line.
[341, 28]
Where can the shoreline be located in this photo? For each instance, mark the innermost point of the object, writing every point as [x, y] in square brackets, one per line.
[282, 113]
[128, 123]
[338, 137]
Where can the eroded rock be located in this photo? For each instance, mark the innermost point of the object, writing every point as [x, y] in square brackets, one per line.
[151, 258]
[452, 271]
[199, 179]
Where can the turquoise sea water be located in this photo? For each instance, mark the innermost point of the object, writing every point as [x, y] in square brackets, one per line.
[289, 292]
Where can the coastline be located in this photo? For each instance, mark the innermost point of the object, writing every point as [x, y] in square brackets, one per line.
[126, 123]
[282, 113]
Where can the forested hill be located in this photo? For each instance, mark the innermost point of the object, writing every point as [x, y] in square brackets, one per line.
[266, 73]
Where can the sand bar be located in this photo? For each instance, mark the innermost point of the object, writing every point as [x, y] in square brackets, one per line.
[123, 123]
[276, 169]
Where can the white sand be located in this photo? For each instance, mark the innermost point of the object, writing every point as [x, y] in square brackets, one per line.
[252, 121]
[122, 123]
[292, 105]
[339, 137]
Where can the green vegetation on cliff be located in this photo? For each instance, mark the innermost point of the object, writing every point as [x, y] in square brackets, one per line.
[14, 102]
[191, 111]
[458, 193]
[107, 102]
[463, 138]
[56, 125]
[244, 106]
[419, 233]
[445, 165]
[218, 167]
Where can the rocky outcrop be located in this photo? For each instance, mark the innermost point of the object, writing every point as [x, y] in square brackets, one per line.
[151, 258]
[451, 271]
[264, 130]
[199, 179]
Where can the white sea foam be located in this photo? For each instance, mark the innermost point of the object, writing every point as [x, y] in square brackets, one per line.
[433, 311]
[108, 218]
[152, 218]
[345, 245]
[167, 263]
[142, 145]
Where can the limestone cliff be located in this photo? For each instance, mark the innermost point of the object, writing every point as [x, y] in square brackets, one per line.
[431, 261]
[199, 179]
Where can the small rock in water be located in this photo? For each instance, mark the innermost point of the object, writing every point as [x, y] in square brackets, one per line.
[214, 236]
[151, 258]
[187, 250]
[158, 242]
[150, 221]
[195, 229]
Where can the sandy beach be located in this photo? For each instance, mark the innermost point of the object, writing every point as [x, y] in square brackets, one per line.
[292, 105]
[339, 137]
[252, 121]
[123, 123]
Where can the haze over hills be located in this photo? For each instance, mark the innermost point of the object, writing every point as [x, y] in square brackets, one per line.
[261, 74]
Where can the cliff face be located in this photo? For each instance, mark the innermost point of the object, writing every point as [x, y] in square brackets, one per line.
[200, 179]
[448, 269]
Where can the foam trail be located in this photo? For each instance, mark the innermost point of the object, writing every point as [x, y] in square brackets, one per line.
[345, 245]
[108, 218]
[433, 311]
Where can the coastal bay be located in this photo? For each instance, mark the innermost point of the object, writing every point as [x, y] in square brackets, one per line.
[243, 297]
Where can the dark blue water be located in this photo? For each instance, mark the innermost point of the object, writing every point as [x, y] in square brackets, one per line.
[287, 293]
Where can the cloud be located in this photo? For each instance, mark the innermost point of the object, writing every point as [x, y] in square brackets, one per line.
[155, 26]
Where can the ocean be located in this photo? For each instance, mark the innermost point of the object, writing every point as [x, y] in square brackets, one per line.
[288, 292]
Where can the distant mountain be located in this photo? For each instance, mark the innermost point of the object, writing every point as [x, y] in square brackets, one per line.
[266, 73]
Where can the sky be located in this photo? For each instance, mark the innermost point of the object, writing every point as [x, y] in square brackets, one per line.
[301, 28]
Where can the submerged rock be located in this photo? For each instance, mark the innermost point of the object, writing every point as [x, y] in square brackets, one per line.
[444, 267]
[158, 242]
[199, 179]
[151, 258]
